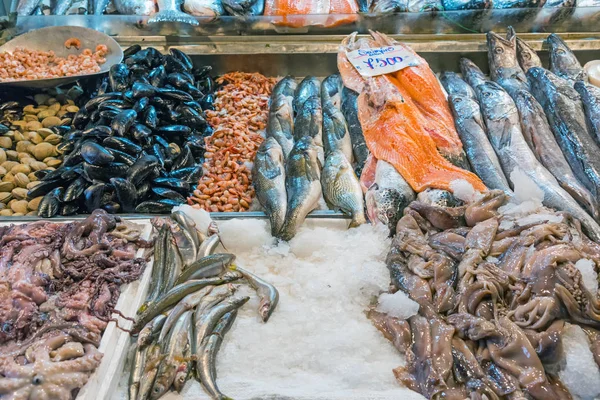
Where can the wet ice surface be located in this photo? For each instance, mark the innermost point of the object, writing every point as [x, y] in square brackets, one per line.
[580, 374]
[318, 343]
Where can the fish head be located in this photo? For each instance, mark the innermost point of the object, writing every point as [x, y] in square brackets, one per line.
[309, 87]
[385, 205]
[527, 56]
[158, 389]
[464, 107]
[502, 52]
[455, 85]
[494, 100]
[561, 57]
[270, 149]
[285, 87]
[331, 87]
[472, 73]
[439, 198]
[181, 376]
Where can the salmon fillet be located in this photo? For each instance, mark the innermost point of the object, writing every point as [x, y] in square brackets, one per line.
[342, 12]
[301, 13]
[367, 177]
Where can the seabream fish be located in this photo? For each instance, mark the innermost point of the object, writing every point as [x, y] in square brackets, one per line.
[281, 114]
[590, 96]
[472, 132]
[341, 187]
[268, 178]
[359, 147]
[562, 60]
[170, 11]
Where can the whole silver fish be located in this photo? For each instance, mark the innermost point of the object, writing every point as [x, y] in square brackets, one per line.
[472, 73]
[540, 139]
[160, 253]
[389, 6]
[335, 131]
[309, 87]
[566, 116]
[170, 11]
[189, 228]
[502, 120]
[590, 96]
[206, 267]
[61, 7]
[173, 263]
[206, 365]
[341, 187]
[174, 350]
[281, 114]
[309, 121]
[359, 147]
[268, 179]
[26, 7]
[269, 296]
[527, 56]
[183, 240]
[137, 371]
[331, 90]
[244, 7]
[212, 241]
[132, 7]
[562, 60]
[203, 8]
[150, 329]
[303, 186]
[153, 360]
[472, 132]
[187, 303]
[504, 67]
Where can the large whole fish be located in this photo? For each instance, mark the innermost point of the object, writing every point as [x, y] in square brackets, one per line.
[133, 7]
[302, 183]
[502, 120]
[341, 187]
[590, 96]
[309, 87]
[335, 131]
[527, 56]
[170, 11]
[244, 7]
[281, 114]
[331, 90]
[472, 132]
[268, 178]
[472, 73]
[567, 120]
[540, 139]
[504, 67]
[562, 60]
[350, 111]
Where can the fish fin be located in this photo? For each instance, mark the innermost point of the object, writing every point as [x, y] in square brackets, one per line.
[173, 16]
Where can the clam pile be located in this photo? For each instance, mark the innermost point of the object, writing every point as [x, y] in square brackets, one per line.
[28, 149]
[138, 145]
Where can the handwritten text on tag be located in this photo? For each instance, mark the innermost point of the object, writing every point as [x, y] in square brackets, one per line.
[382, 60]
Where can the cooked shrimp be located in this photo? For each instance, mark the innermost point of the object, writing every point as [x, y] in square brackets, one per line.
[73, 42]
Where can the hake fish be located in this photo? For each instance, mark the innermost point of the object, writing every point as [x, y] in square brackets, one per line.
[341, 187]
[268, 178]
[170, 11]
[350, 110]
[590, 96]
[541, 141]
[504, 68]
[502, 120]
[562, 60]
[303, 186]
[567, 120]
[281, 114]
[527, 56]
[472, 73]
[472, 132]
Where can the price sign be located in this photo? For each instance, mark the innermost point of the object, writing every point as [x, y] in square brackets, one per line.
[382, 60]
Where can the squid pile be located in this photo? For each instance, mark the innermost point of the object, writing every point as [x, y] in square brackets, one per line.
[138, 144]
[191, 304]
[60, 284]
[496, 284]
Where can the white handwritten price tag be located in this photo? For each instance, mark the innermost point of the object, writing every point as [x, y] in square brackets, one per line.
[382, 60]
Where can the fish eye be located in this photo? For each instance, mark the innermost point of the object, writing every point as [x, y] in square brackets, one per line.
[527, 56]
[457, 100]
[560, 51]
[499, 50]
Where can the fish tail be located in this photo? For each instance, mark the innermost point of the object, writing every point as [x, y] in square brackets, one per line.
[173, 16]
[357, 220]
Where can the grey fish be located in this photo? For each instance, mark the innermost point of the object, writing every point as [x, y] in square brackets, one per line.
[472, 132]
[281, 114]
[331, 90]
[335, 131]
[309, 121]
[540, 139]
[472, 73]
[567, 120]
[504, 67]
[204, 8]
[389, 6]
[341, 187]
[150, 329]
[153, 360]
[562, 60]
[502, 120]
[26, 7]
[134, 7]
[303, 186]
[309, 87]
[359, 147]
[268, 179]
[590, 96]
[187, 303]
[61, 7]
[527, 56]
[160, 254]
[189, 229]
[206, 267]
[244, 7]
[100, 6]
[206, 365]
[173, 263]
[269, 296]
[137, 371]
[170, 11]
[187, 247]
[364, 5]
[209, 245]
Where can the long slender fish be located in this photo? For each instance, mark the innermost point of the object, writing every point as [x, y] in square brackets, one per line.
[540, 139]
[206, 366]
[153, 360]
[187, 303]
[160, 254]
[590, 96]
[206, 267]
[281, 114]
[359, 147]
[303, 186]
[472, 73]
[131, 7]
[137, 371]
[170, 11]
[269, 296]
[173, 263]
[567, 120]
[150, 329]
[527, 56]
[341, 187]
[472, 132]
[268, 179]
[562, 60]
[502, 120]
[504, 68]
[189, 228]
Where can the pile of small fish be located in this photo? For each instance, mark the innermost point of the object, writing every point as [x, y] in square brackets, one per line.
[307, 132]
[138, 144]
[61, 284]
[495, 284]
[191, 304]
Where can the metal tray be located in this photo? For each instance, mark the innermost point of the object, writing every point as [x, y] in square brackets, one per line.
[53, 39]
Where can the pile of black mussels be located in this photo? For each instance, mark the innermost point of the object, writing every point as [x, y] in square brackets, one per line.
[138, 144]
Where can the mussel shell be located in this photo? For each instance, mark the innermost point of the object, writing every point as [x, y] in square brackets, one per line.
[157, 76]
[140, 131]
[141, 104]
[70, 173]
[139, 57]
[168, 194]
[96, 101]
[178, 185]
[201, 72]
[105, 172]
[183, 173]
[93, 196]
[123, 121]
[109, 114]
[183, 58]
[126, 193]
[156, 58]
[81, 118]
[99, 131]
[208, 102]
[206, 84]
[178, 78]
[56, 174]
[111, 207]
[119, 104]
[75, 189]
[162, 104]
[69, 209]
[194, 105]
[103, 87]
[161, 206]
[138, 69]
[122, 144]
[196, 144]
[131, 50]
[128, 96]
[185, 159]
[50, 204]
[141, 89]
[141, 77]
[8, 105]
[61, 129]
[173, 64]
[174, 130]
[157, 151]
[141, 169]
[43, 188]
[65, 147]
[93, 153]
[122, 157]
[175, 94]
[157, 139]
[142, 190]
[192, 117]
[150, 117]
[118, 76]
